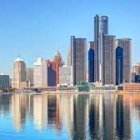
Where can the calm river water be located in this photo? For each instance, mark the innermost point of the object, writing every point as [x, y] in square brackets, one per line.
[69, 117]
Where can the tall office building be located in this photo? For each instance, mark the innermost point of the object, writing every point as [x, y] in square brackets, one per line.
[91, 58]
[19, 73]
[100, 29]
[123, 61]
[78, 50]
[58, 63]
[51, 73]
[108, 77]
[40, 73]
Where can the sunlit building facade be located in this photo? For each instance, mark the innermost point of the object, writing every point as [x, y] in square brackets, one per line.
[19, 73]
[40, 73]
[100, 29]
[135, 74]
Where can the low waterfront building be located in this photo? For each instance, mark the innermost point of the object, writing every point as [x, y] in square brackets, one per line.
[4, 81]
[131, 87]
[135, 75]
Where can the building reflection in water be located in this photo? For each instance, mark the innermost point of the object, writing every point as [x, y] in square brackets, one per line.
[95, 116]
[67, 112]
[80, 117]
[99, 116]
[54, 111]
[18, 110]
[123, 124]
[4, 104]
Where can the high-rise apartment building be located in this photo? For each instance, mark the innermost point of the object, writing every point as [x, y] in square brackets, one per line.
[40, 73]
[108, 67]
[100, 29]
[78, 50]
[91, 59]
[19, 74]
[123, 61]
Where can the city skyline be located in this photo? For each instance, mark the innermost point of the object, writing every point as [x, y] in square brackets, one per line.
[31, 32]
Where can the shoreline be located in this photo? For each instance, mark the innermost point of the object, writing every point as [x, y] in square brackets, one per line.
[74, 93]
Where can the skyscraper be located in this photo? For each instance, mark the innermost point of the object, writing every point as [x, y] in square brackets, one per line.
[58, 63]
[19, 73]
[91, 58]
[78, 49]
[100, 29]
[123, 61]
[108, 77]
[40, 73]
[51, 73]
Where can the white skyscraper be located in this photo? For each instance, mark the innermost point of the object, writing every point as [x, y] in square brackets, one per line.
[40, 73]
[100, 29]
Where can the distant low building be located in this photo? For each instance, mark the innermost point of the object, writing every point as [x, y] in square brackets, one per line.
[131, 87]
[4, 81]
[135, 75]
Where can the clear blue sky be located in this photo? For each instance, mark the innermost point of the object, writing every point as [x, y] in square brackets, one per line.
[32, 28]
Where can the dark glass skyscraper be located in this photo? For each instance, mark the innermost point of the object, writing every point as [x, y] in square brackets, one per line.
[119, 65]
[100, 29]
[123, 61]
[91, 62]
